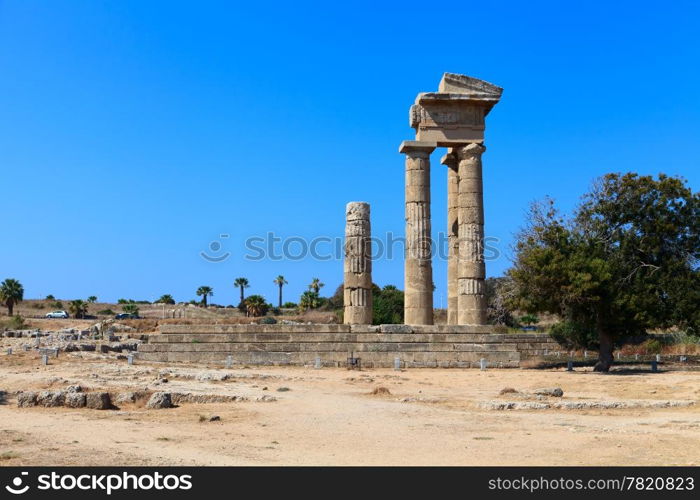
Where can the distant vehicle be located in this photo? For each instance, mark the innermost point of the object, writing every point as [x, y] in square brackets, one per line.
[127, 316]
[57, 314]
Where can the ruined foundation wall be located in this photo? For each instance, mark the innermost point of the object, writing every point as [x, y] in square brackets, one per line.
[445, 346]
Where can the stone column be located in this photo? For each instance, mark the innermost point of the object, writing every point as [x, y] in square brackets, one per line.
[418, 269]
[357, 267]
[471, 301]
[452, 162]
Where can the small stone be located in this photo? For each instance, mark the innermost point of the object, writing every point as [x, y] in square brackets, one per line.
[556, 392]
[26, 399]
[98, 401]
[215, 418]
[160, 400]
[266, 399]
[283, 389]
[75, 400]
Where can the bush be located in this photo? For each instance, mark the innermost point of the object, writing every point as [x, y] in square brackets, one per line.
[289, 305]
[652, 346]
[56, 305]
[14, 323]
[268, 320]
[576, 335]
[106, 312]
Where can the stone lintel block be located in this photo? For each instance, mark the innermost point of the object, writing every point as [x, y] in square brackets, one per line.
[420, 147]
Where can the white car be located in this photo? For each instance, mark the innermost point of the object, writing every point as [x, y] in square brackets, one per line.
[57, 314]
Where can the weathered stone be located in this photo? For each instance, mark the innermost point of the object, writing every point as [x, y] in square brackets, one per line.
[98, 401]
[160, 400]
[26, 399]
[75, 400]
[74, 388]
[556, 392]
[418, 271]
[357, 272]
[50, 399]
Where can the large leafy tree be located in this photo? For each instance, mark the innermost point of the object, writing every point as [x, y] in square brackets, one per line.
[627, 261]
[242, 284]
[387, 305]
[205, 292]
[280, 282]
[11, 292]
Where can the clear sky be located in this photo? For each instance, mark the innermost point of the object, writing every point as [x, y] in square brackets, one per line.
[134, 133]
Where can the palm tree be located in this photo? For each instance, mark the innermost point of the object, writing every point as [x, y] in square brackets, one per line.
[256, 305]
[204, 292]
[11, 292]
[92, 299]
[241, 283]
[280, 282]
[78, 308]
[131, 309]
[316, 285]
[165, 299]
[309, 300]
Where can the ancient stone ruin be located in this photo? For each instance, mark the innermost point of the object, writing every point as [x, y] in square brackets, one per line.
[453, 117]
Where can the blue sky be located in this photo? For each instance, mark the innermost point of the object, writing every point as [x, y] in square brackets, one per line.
[133, 134]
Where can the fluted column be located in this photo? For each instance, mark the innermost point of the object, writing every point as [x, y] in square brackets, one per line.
[357, 267]
[471, 301]
[418, 269]
[452, 162]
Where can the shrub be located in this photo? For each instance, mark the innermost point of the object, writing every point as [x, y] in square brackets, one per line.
[289, 305]
[576, 335]
[106, 312]
[14, 323]
[268, 320]
[56, 305]
[652, 346]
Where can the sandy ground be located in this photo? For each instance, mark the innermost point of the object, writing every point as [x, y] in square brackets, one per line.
[330, 417]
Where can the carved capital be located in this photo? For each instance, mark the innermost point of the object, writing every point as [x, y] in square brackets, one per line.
[472, 151]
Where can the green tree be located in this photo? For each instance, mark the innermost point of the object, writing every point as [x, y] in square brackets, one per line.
[92, 299]
[78, 308]
[309, 300]
[242, 284]
[280, 282]
[387, 305]
[131, 309]
[256, 305]
[204, 292]
[627, 261]
[165, 299]
[316, 285]
[11, 292]
[50, 297]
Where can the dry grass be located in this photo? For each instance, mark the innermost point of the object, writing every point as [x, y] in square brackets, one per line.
[380, 391]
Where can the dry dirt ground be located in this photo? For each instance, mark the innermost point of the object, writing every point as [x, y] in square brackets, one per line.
[330, 416]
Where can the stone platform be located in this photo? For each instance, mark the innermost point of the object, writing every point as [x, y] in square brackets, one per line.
[445, 346]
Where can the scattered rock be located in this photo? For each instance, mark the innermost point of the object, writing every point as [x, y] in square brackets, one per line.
[26, 399]
[98, 401]
[160, 400]
[74, 388]
[126, 397]
[555, 392]
[187, 397]
[265, 398]
[215, 418]
[283, 389]
[50, 399]
[75, 400]
[380, 391]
